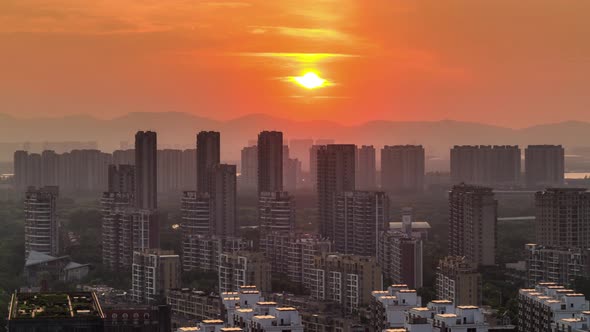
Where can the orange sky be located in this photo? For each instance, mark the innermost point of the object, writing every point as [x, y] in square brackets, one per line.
[505, 62]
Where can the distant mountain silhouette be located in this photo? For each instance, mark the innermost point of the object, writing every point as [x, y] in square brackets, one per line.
[179, 130]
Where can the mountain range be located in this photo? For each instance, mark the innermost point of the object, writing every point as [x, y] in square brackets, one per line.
[179, 129]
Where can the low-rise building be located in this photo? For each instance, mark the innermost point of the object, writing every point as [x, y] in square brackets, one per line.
[73, 311]
[193, 305]
[42, 267]
[544, 306]
[388, 307]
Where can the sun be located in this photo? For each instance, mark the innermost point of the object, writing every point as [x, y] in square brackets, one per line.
[310, 81]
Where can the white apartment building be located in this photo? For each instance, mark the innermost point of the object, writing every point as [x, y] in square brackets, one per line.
[154, 272]
[542, 307]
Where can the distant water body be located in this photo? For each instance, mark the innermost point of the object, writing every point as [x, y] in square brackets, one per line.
[577, 175]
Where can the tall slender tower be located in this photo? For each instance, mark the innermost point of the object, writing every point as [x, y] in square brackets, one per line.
[208, 155]
[473, 217]
[335, 174]
[366, 171]
[41, 224]
[270, 161]
[146, 190]
[223, 194]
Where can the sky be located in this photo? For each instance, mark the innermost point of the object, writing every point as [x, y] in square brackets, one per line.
[502, 62]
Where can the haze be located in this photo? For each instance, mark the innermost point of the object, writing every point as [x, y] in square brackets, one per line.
[509, 63]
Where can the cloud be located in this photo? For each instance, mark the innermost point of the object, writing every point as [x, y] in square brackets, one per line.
[309, 33]
[301, 57]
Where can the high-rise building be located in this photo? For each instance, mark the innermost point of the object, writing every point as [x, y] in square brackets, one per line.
[358, 218]
[195, 208]
[560, 265]
[270, 161]
[223, 193]
[299, 149]
[457, 280]
[146, 170]
[563, 217]
[335, 174]
[366, 171]
[208, 155]
[544, 165]
[20, 169]
[49, 168]
[243, 269]
[291, 174]
[313, 166]
[292, 254]
[188, 167]
[202, 252]
[169, 170]
[276, 211]
[122, 178]
[117, 230]
[497, 165]
[402, 168]
[542, 307]
[41, 222]
[473, 224]
[154, 273]
[146, 229]
[249, 168]
[124, 157]
[400, 254]
[345, 279]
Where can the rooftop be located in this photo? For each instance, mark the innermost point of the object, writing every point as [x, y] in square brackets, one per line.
[54, 306]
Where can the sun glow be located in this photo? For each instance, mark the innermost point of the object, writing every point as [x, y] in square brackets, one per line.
[310, 81]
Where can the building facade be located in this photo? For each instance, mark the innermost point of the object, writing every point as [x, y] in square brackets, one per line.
[559, 265]
[41, 222]
[366, 174]
[473, 224]
[208, 155]
[402, 168]
[244, 268]
[276, 211]
[202, 252]
[335, 174]
[146, 170]
[539, 308]
[497, 166]
[270, 161]
[154, 273]
[249, 168]
[358, 219]
[458, 280]
[292, 254]
[224, 195]
[544, 165]
[563, 217]
[345, 279]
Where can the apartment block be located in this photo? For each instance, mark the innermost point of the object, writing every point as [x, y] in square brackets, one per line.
[559, 265]
[388, 307]
[541, 307]
[202, 252]
[458, 280]
[41, 222]
[473, 224]
[544, 166]
[293, 254]
[402, 168]
[276, 211]
[244, 268]
[345, 279]
[496, 166]
[154, 273]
